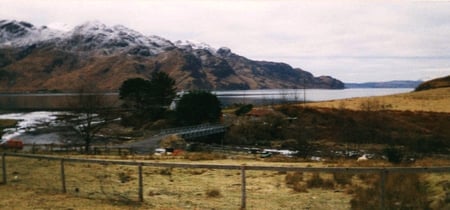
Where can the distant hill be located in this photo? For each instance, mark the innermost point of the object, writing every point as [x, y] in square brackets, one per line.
[389, 84]
[434, 83]
[43, 59]
[433, 100]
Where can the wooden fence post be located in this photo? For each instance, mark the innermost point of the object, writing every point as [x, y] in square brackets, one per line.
[244, 196]
[4, 167]
[141, 185]
[383, 174]
[33, 148]
[63, 177]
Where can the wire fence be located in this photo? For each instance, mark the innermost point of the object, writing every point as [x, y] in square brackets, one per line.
[201, 186]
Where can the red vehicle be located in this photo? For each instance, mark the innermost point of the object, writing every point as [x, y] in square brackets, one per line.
[13, 144]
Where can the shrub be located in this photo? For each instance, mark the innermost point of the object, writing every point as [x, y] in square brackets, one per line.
[173, 141]
[124, 177]
[317, 182]
[393, 154]
[342, 178]
[300, 187]
[244, 109]
[293, 178]
[402, 191]
[370, 105]
[166, 171]
[213, 193]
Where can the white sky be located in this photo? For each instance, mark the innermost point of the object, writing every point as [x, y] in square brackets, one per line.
[354, 41]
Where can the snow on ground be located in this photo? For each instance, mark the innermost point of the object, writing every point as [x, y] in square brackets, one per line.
[28, 122]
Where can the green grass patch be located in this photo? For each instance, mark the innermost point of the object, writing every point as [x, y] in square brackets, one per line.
[6, 123]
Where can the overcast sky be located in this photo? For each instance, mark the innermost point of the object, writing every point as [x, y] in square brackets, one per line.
[354, 41]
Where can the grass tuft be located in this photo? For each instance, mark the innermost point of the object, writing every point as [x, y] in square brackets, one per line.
[213, 193]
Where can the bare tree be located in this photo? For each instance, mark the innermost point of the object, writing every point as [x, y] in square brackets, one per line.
[92, 111]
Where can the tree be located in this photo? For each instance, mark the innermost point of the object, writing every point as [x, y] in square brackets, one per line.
[148, 99]
[162, 92]
[134, 93]
[88, 107]
[198, 107]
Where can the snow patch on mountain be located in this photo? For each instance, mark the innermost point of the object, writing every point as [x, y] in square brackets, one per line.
[194, 45]
[18, 33]
[60, 26]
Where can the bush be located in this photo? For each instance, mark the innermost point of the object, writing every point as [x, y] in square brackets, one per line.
[402, 191]
[166, 171]
[293, 178]
[244, 109]
[342, 178]
[124, 177]
[300, 187]
[317, 182]
[393, 154]
[213, 193]
[173, 141]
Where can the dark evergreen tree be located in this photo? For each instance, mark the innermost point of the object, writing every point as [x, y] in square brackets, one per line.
[198, 107]
[148, 100]
[134, 93]
[162, 91]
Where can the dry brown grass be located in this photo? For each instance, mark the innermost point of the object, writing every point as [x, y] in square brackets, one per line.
[115, 187]
[436, 100]
[17, 197]
[100, 186]
[5, 123]
[203, 156]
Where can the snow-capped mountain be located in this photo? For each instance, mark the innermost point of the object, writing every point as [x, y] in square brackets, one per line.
[90, 36]
[18, 33]
[40, 58]
[96, 35]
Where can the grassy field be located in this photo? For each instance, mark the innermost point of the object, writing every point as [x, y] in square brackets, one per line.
[435, 100]
[35, 184]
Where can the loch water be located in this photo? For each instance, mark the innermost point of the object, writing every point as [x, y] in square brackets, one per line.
[61, 101]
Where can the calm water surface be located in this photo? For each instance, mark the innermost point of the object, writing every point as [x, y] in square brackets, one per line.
[61, 101]
[297, 95]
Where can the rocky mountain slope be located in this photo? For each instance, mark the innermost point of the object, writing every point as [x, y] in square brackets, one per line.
[42, 59]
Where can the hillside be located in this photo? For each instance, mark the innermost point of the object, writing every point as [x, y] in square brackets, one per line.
[434, 100]
[435, 83]
[42, 59]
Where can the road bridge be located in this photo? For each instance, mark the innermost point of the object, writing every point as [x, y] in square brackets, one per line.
[188, 132]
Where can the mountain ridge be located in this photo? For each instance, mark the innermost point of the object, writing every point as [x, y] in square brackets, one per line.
[96, 53]
[386, 84]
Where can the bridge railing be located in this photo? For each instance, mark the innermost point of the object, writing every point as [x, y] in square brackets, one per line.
[188, 128]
